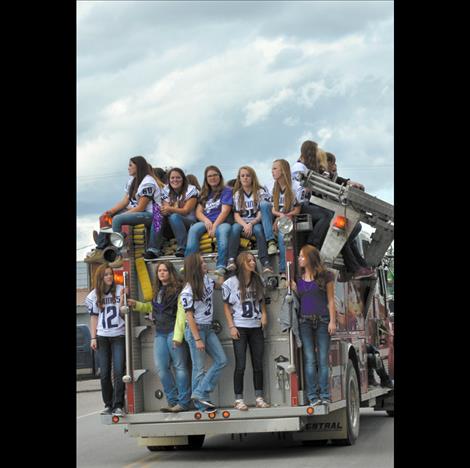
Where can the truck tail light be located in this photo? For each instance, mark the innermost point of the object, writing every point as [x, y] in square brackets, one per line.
[340, 223]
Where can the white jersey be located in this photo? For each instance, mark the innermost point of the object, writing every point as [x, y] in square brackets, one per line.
[298, 168]
[246, 313]
[251, 208]
[191, 192]
[147, 188]
[299, 195]
[203, 309]
[110, 323]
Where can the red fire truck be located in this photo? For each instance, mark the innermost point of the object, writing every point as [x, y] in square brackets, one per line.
[363, 324]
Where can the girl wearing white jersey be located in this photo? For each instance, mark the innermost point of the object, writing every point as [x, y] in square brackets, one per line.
[286, 197]
[179, 200]
[246, 316]
[196, 298]
[313, 158]
[107, 336]
[137, 207]
[247, 195]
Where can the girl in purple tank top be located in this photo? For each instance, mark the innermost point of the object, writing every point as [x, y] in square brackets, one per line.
[316, 291]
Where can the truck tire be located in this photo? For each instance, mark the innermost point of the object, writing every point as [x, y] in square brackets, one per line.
[195, 442]
[353, 403]
[159, 448]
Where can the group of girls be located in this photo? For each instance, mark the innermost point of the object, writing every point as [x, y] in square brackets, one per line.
[183, 311]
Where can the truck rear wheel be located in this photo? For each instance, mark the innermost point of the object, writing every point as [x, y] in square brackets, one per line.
[353, 403]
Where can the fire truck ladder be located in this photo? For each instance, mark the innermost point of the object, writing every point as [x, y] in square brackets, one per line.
[355, 205]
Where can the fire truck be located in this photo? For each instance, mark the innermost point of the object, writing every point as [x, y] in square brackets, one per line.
[364, 322]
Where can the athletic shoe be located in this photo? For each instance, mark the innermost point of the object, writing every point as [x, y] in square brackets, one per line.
[267, 268]
[210, 410]
[178, 408]
[95, 256]
[231, 265]
[240, 405]
[315, 402]
[179, 253]
[282, 281]
[203, 401]
[325, 401]
[118, 411]
[150, 255]
[107, 410]
[272, 248]
[220, 272]
[260, 403]
[167, 409]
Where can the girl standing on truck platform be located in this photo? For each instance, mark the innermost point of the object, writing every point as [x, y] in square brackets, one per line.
[163, 307]
[179, 200]
[197, 301]
[317, 322]
[246, 316]
[247, 195]
[214, 214]
[107, 336]
[286, 196]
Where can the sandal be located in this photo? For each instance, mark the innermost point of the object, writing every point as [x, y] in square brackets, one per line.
[240, 405]
[260, 403]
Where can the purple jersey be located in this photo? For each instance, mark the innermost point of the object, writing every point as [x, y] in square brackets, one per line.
[313, 300]
[212, 208]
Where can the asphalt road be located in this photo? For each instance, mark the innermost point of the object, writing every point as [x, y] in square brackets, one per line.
[108, 446]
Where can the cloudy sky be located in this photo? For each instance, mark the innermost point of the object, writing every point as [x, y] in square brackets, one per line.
[230, 83]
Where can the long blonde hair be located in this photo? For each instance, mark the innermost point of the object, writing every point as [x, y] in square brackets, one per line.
[289, 194]
[255, 187]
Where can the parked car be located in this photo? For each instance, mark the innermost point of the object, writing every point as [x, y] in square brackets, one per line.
[87, 359]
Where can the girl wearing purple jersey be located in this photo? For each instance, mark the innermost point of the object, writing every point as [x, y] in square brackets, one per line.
[214, 214]
[107, 336]
[246, 316]
[316, 290]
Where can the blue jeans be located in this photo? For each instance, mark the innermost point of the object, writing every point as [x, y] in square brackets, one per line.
[203, 383]
[132, 219]
[112, 349]
[315, 337]
[222, 234]
[164, 353]
[234, 242]
[267, 221]
[180, 226]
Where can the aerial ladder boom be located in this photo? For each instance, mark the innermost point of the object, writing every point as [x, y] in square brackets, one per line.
[355, 205]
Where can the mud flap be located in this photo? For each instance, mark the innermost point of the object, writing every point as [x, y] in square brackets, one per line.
[330, 426]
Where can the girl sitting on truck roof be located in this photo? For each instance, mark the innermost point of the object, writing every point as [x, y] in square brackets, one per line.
[313, 158]
[179, 200]
[197, 301]
[245, 310]
[286, 196]
[316, 290]
[141, 193]
[163, 307]
[107, 329]
[247, 195]
[214, 214]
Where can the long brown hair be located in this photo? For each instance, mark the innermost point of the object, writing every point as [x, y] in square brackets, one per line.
[194, 276]
[174, 285]
[289, 194]
[308, 154]
[255, 187]
[315, 265]
[143, 169]
[256, 283]
[100, 286]
[206, 188]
